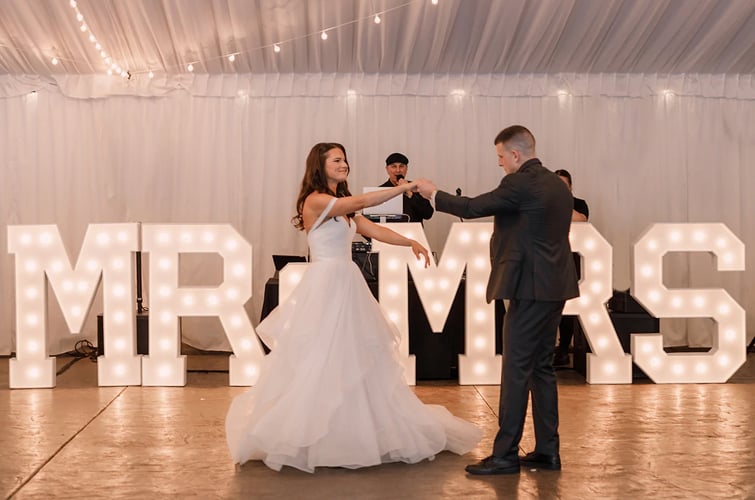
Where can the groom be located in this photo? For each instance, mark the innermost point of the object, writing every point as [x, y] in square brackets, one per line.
[531, 266]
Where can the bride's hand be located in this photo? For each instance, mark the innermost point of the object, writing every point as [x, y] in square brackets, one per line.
[418, 250]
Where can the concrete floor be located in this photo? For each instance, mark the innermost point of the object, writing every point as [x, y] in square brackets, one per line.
[626, 441]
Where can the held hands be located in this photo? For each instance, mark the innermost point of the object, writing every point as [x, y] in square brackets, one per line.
[426, 188]
[418, 250]
[411, 187]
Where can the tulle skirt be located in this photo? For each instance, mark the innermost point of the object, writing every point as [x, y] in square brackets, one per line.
[331, 392]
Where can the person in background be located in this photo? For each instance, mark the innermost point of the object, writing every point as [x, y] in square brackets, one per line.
[580, 213]
[416, 207]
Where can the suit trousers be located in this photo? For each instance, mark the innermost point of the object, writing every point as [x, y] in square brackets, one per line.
[529, 339]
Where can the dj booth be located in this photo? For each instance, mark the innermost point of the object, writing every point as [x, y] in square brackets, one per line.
[437, 354]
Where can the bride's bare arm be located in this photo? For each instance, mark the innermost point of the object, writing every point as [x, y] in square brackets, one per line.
[316, 202]
[367, 228]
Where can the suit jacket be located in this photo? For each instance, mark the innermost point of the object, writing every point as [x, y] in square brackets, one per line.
[416, 207]
[530, 254]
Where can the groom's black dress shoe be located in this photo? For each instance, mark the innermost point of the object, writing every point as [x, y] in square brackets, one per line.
[494, 465]
[541, 461]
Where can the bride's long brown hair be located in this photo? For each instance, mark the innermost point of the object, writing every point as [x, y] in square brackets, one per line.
[314, 179]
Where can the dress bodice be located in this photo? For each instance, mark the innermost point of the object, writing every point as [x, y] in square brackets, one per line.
[330, 237]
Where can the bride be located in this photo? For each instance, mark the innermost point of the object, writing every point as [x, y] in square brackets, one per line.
[332, 392]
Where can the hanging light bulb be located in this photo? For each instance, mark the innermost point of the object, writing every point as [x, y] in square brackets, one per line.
[434, 2]
[377, 19]
[232, 57]
[276, 48]
[150, 74]
[72, 3]
[54, 61]
[79, 17]
[324, 35]
[190, 68]
[83, 27]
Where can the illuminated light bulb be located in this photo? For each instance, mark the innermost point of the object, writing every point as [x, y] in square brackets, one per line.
[150, 75]
[464, 237]
[25, 239]
[32, 320]
[443, 284]
[721, 243]
[92, 265]
[57, 266]
[236, 320]
[596, 287]
[92, 38]
[246, 344]
[165, 344]
[480, 368]
[32, 346]
[190, 68]
[119, 317]
[79, 17]
[239, 270]
[250, 370]
[294, 278]
[730, 334]
[434, 2]
[82, 286]
[393, 290]
[208, 236]
[723, 360]
[728, 258]
[72, 3]
[480, 262]
[597, 266]
[164, 263]
[584, 300]
[701, 368]
[479, 289]
[118, 264]
[276, 48]
[119, 291]
[166, 317]
[32, 372]
[231, 244]
[595, 318]
[119, 369]
[654, 295]
[54, 61]
[324, 35]
[76, 311]
[563, 93]
[409, 235]
[437, 307]
[480, 316]
[393, 264]
[429, 284]
[647, 348]
[678, 369]
[655, 362]
[31, 265]
[232, 57]
[45, 239]
[109, 72]
[602, 342]
[83, 28]
[164, 371]
[589, 243]
[647, 271]
[609, 368]
[700, 236]
[393, 316]
[652, 245]
[699, 301]
[165, 291]
[480, 342]
[163, 237]
[103, 54]
[377, 19]
[213, 300]
[232, 293]
[189, 300]
[676, 302]
[724, 309]
[451, 263]
[484, 236]
[675, 236]
[31, 293]
[120, 345]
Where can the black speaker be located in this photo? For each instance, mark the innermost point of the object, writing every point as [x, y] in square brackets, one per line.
[142, 334]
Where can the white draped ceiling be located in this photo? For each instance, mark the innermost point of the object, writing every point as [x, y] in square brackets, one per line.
[650, 105]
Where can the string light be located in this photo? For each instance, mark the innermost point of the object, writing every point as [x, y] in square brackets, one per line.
[276, 48]
[324, 35]
[232, 57]
[84, 27]
[377, 19]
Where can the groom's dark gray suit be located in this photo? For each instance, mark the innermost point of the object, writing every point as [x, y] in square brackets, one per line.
[532, 266]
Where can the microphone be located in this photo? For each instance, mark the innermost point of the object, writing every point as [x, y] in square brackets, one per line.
[399, 177]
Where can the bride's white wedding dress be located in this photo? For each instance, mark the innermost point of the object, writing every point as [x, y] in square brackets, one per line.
[331, 392]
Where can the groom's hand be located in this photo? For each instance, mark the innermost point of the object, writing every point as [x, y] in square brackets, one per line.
[426, 188]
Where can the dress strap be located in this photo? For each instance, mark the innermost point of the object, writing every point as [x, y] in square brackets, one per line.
[324, 214]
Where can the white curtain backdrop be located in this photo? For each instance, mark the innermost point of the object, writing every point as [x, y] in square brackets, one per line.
[637, 155]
